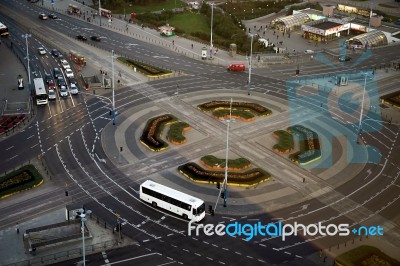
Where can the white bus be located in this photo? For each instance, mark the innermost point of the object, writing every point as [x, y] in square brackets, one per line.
[40, 92]
[172, 200]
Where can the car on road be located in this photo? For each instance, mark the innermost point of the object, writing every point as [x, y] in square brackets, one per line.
[53, 16]
[65, 64]
[74, 89]
[43, 16]
[57, 72]
[95, 38]
[344, 58]
[63, 91]
[397, 22]
[72, 80]
[69, 73]
[55, 52]
[308, 51]
[81, 38]
[52, 94]
[47, 77]
[61, 82]
[41, 50]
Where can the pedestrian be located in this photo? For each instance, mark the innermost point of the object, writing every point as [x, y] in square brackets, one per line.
[277, 36]
[127, 27]
[173, 42]
[274, 32]
[17, 228]
[119, 74]
[289, 35]
[192, 45]
[283, 34]
[142, 26]
[119, 82]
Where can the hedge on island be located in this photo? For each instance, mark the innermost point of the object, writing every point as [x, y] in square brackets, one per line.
[151, 136]
[24, 178]
[254, 108]
[175, 132]
[238, 114]
[143, 67]
[251, 177]
[310, 149]
[212, 162]
[285, 142]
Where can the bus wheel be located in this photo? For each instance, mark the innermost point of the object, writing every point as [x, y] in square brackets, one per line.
[185, 216]
[154, 204]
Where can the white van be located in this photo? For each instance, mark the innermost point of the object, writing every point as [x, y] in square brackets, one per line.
[73, 89]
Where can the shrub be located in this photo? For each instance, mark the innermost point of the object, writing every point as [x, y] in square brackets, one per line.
[243, 106]
[249, 178]
[175, 132]
[211, 161]
[151, 136]
[24, 178]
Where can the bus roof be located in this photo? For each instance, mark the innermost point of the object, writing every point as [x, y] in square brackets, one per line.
[2, 26]
[39, 86]
[172, 193]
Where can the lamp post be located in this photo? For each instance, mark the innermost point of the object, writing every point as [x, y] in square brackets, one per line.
[362, 106]
[113, 93]
[26, 35]
[99, 13]
[82, 214]
[250, 64]
[212, 19]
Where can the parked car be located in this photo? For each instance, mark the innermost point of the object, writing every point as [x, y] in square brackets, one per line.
[397, 22]
[63, 91]
[69, 73]
[344, 58]
[308, 51]
[42, 16]
[53, 16]
[81, 37]
[41, 50]
[57, 72]
[55, 52]
[74, 89]
[65, 64]
[52, 94]
[95, 38]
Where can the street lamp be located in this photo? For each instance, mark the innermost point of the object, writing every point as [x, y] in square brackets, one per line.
[113, 94]
[212, 19]
[99, 13]
[26, 35]
[225, 182]
[250, 64]
[362, 106]
[82, 214]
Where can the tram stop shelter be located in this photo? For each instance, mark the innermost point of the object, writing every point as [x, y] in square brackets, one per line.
[326, 29]
[370, 39]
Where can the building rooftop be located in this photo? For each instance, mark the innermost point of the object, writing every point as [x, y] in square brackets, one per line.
[326, 25]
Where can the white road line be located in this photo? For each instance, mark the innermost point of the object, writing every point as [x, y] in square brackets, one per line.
[9, 148]
[166, 263]
[197, 254]
[134, 258]
[288, 253]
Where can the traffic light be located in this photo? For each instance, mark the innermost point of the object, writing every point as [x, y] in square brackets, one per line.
[297, 72]
[218, 185]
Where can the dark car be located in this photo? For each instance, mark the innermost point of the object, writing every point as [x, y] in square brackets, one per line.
[72, 80]
[47, 77]
[61, 81]
[95, 38]
[53, 16]
[55, 52]
[81, 37]
[57, 72]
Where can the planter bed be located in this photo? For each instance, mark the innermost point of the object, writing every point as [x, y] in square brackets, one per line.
[310, 149]
[175, 132]
[285, 142]
[151, 136]
[212, 162]
[253, 108]
[249, 178]
[144, 68]
[24, 178]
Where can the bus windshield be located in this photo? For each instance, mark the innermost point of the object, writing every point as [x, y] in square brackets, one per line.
[3, 30]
